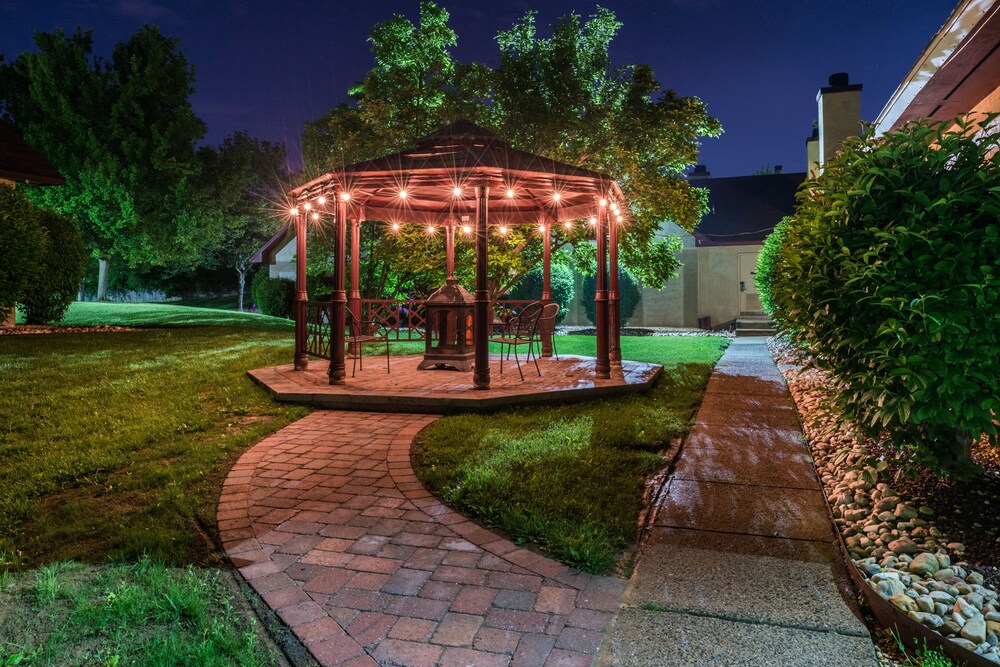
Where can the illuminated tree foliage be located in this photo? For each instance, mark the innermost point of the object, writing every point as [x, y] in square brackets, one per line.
[122, 132]
[557, 96]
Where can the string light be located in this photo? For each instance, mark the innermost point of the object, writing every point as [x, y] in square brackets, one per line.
[321, 200]
[593, 220]
[603, 202]
[430, 230]
[307, 206]
[556, 196]
[457, 191]
[568, 225]
[541, 228]
[614, 207]
[315, 216]
[403, 194]
[510, 193]
[293, 211]
[395, 226]
[619, 218]
[503, 229]
[466, 229]
[346, 196]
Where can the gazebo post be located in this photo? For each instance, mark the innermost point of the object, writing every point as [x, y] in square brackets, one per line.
[547, 284]
[338, 372]
[603, 366]
[481, 368]
[614, 298]
[301, 362]
[354, 297]
[449, 251]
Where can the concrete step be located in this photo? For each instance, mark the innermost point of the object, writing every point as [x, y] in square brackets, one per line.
[754, 326]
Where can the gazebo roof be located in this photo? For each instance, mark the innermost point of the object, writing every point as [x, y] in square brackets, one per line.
[21, 163]
[462, 155]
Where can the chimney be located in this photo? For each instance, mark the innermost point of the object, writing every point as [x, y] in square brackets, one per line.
[812, 152]
[699, 172]
[839, 114]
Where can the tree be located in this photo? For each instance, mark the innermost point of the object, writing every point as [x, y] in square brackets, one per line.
[243, 177]
[60, 270]
[123, 133]
[557, 96]
[888, 276]
[21, 244]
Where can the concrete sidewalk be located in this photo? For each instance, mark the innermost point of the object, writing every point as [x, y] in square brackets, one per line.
[739, 567]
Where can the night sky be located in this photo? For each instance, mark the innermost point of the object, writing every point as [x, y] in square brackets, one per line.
[267, 67]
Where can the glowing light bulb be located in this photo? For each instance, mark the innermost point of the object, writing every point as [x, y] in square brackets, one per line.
[395, 226]
[541, 228]
[430, 230]
[466, 229]
[346, 196]
[321, 201]
[614, 207]
[510, 193]
[603, 202]
[556, 196]
[568, 224]
[315, 216]
[457, 191]
[593, 221]
[619, 218]
[503, 229]
[293, 211]
[403, 194]
[307, 206]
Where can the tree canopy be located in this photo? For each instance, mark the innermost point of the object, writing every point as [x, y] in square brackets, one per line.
[123, 133]
[557, 96]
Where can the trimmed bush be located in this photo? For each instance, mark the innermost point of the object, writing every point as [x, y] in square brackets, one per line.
[563, 289]
[273, 296]
[60, 271]
[889, 276]
[628, 291]
[767, 262]
[21, 244]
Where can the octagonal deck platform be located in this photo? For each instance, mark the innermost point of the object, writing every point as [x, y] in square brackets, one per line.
[440, 391]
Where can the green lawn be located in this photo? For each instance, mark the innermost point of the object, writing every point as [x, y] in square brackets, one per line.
[115, 444]
[570, 478]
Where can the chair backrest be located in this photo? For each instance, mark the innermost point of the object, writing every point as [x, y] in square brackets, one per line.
[547, 320]
[525, 323]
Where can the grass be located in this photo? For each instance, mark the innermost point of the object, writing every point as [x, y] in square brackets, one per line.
[114, 445]
[139, 614]
[570, 478]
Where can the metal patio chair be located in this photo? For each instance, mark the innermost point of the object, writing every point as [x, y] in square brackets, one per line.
[361, 333]
[520, 331]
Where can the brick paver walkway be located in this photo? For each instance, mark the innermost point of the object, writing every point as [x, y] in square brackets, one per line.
[328, 522]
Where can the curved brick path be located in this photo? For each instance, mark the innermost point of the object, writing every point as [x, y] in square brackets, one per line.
[326, 519]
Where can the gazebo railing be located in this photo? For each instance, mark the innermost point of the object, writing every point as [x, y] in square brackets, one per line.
[399, 319]
[319, 315]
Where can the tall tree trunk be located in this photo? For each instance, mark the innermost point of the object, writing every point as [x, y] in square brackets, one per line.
[242, 272]
[102, 278]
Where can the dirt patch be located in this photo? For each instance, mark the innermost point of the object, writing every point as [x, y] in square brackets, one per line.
[36, 329]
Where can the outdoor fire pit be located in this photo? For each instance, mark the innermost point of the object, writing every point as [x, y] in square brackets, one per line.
[449, 313]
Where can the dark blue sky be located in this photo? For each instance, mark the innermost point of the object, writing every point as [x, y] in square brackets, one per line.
[266, 67]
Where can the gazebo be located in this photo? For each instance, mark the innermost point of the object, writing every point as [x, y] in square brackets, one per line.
[461, 171]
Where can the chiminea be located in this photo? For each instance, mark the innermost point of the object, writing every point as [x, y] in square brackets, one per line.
[449, 328]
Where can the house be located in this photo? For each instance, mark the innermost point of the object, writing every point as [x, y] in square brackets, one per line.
[958, 72]
[20, 163]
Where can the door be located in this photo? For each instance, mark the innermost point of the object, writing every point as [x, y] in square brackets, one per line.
[749, 297]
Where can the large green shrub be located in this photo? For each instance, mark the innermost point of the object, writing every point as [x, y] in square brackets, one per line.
[767, 262]
[273, 296]
[889, 276]
[563, 289]
[60, 270]
[628, 292]
[21, 244]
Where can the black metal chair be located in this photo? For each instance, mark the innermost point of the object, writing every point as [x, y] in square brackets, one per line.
[361, 333]
[520, 331]
[547, 326]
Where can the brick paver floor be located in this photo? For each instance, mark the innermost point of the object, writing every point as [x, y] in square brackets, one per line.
[328, 522]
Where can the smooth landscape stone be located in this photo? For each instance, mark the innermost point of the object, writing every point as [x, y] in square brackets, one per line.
[903, 603]
[924, 563]
[975, 630]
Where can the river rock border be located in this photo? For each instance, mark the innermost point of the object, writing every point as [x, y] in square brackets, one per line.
[895, 549]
